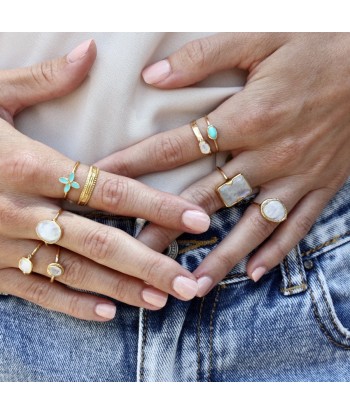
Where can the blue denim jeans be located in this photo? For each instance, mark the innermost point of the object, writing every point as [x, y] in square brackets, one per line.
[293, 325]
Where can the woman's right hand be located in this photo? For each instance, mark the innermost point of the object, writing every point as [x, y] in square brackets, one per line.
[96, 258]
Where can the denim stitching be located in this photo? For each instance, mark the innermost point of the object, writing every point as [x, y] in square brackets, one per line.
[143, 346]
[322, 327]
[329, 309]
[301, 269]
[211, 329]
[195, 243]
[199, 339]
[325, 244]
[286, 265]
[295, 287]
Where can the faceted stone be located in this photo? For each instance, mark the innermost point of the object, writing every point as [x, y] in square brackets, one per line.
[212, 132]
[55, 270]
[234, 190]
[274, 210]
[49, 231]
[25, 265]
[204, 147]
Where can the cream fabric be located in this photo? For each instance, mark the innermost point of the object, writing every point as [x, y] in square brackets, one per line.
[114, 108]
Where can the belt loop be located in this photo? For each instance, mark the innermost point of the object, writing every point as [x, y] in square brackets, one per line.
[293, 273]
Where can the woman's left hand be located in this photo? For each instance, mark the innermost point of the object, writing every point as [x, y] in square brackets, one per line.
[288, 132]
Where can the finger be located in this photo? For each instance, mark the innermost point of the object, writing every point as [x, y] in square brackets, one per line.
[289, 234]
[24, 87]
[202, 57]
[36, 169]
[204, 193]
[248, 234]
[84, 274]
[107, 246]
[56, 297]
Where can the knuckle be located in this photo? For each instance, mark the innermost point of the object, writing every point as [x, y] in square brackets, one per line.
[303, 224]
[280, 251]
[151, 269]
[39, 294]
[204, 197]
[260, 227]
[42, 73]
[9, 215]
[115, 192]
[195, 52]
[73, 306]
[169, 151]
[22, 168]
[97, 244]
[226, 260]
[75, 272]
[119, 289]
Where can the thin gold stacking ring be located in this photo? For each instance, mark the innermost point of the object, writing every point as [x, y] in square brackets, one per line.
[89, 186]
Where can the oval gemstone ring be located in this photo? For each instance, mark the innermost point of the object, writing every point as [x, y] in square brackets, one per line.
[273, 210]
[212, 132]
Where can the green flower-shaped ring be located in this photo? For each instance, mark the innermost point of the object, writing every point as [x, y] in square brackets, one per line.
[69, 181]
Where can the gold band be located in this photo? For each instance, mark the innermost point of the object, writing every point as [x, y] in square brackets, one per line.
[204, 147]
[55, 269]
[89, 186]
[219, 169]
[212, 133]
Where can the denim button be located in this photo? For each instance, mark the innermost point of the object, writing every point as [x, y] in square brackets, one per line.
[172, 250]
[308, 264]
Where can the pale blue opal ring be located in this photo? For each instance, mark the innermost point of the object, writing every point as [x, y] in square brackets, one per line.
[212, 133]
[233, 190]
[69, 181]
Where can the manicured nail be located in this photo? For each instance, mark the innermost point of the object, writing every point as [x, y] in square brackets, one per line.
[157, 72]
[196, 220]
[204, 285]
[185, 287]
[79, 52]
[154, 297]
[106, 310]
[258, 273]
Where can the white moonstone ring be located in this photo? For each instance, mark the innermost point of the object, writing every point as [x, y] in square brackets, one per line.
[273, 210]
[233, 190]
[49, 231]
[55, 269]
[25, 264]
[204, 146]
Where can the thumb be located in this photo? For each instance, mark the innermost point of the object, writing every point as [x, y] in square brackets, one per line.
[202, 57]
[23, 87]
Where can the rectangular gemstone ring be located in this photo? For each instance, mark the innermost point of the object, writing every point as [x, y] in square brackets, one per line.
[234, 190]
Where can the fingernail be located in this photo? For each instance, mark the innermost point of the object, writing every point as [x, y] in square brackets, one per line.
[157, 72]
[79, 52]
[195, 220]
[106, 310]
[204, 285]
[258, 273]
[185, 287]
[154, 297]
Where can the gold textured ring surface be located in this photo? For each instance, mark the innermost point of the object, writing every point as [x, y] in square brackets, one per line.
[204, 147]
[273, 210]
[89, 186]
[49, 231]
[25, 264]
[55, 269]
[233, 190]
[212, 133]
[69, 181]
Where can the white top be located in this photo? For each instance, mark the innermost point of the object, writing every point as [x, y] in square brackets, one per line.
[114, 108]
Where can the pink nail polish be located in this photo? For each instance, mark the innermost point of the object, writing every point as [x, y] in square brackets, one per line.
[185, 287]
[204, 285]
[195, 220]
[154, 297]
[106, 310]
[258, 273]
[157, 72]
[79, 52]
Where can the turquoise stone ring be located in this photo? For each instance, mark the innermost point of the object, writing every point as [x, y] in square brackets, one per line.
[69, 181]
[212, 133]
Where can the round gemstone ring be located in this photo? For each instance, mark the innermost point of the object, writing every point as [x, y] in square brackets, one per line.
[273, 210]
[49, 231]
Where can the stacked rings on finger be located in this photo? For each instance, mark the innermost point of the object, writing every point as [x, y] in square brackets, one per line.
[212, 134]
[273, 210]
[234, 189]
[89, 186]
[69, 181]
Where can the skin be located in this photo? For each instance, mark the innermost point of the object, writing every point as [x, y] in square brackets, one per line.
[96, 257]
[288, 132]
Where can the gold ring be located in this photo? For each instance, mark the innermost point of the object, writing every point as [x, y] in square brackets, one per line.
[233, 190]
[49, 231]
[25, 264]
[89, 186]
[273, 210]
[69, 181]
[212, 132]
[55, 269]
[204, 147]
